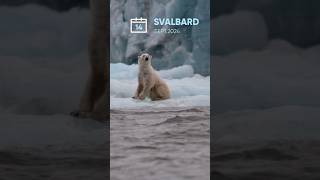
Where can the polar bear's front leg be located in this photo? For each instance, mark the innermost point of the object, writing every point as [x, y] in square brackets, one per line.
[138, 91]
[146, 90]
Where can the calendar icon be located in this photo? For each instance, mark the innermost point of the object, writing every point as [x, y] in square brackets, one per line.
[138, 25]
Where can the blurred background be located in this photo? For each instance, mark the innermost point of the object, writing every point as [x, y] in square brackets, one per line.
[43, 69]
[266, 53]
[266, 88]
[43, 55]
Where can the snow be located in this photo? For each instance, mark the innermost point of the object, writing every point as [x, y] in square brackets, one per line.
[43, 59]
[285, 123]
[41, 87]
[187, 88]
[36, 98]
[278, 75]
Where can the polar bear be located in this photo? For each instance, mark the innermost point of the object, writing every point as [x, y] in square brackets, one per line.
[149, 82]
[93, 103]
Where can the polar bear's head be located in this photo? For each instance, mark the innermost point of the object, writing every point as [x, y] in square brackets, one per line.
[144, 59]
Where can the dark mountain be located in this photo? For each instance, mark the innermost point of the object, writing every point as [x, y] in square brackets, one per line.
[58, 5]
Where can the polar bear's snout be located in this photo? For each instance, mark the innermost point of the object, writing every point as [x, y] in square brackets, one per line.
[145, 57]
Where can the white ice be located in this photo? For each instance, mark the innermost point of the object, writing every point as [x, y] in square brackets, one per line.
[187, 89]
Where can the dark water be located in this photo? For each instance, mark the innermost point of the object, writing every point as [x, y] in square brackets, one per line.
[158, 144]
[56, 147]
[267, 144]
[54, 163]
[276, 160]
